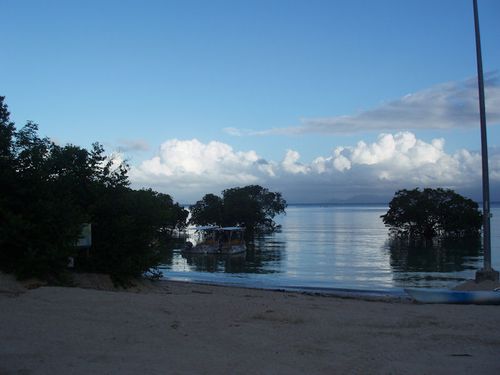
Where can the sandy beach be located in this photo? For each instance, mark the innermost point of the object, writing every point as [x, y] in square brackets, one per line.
[182, 328]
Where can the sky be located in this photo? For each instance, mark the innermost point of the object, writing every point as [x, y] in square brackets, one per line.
[324, 101]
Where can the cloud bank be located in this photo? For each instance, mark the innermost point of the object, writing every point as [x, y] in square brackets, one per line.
[188, 169]
[446, 106]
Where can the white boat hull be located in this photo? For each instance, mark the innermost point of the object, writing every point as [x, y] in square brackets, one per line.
[211, 249]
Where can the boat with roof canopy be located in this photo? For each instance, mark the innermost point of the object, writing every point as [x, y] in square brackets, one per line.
[216, 240]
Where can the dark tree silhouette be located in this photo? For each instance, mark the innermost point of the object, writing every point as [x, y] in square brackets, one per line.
[49, 191]
[432, 212]
[207, 211]
[253, 207]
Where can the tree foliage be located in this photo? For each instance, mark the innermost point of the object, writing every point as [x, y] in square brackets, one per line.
[49, 191]
[207, 211]
[432, 212]
[253, 207]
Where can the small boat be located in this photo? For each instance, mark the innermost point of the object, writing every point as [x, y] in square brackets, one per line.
[216, 240]
[477, 297]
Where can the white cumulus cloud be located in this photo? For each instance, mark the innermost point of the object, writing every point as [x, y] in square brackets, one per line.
[290, 163]
[188, 169]
[189, 166]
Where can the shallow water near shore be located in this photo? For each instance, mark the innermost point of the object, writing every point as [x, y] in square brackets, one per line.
[337, 246]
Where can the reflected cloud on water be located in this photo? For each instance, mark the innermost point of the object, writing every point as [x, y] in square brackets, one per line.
[339, 246]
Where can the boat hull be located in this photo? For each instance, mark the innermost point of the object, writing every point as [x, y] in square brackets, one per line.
[234, 249]
[210, 249]
[217, 240]
[202, 249]
[454, 296]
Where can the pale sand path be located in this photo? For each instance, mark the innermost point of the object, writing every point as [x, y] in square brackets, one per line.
[179, 328]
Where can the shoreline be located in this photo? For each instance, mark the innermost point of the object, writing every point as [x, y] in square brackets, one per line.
[389, 294]
[185, 328]
[10, 285]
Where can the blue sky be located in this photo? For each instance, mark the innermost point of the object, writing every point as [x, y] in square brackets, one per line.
[322, 100]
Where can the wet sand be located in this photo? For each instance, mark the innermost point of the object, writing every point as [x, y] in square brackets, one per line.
[181, 328]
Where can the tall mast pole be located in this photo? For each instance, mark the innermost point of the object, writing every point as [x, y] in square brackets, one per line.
[487, 272]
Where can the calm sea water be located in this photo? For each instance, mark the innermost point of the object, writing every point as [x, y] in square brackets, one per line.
[337, 246]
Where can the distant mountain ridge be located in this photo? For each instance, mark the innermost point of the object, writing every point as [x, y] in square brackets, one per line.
[364, 199]
[355, 199]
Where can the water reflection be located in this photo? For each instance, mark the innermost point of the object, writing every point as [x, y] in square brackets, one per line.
[433, 256]
[342, 246]
[215, 262]
[436, 263]
[264, 255]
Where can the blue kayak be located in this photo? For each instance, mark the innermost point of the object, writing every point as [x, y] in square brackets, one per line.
[482, 297]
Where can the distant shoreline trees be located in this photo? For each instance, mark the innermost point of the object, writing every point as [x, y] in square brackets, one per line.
[252, 207]
[47, 193]
[430, 213]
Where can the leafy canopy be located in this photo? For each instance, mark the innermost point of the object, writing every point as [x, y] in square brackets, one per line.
[432, 212]
[253, 207]
[49, 191]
